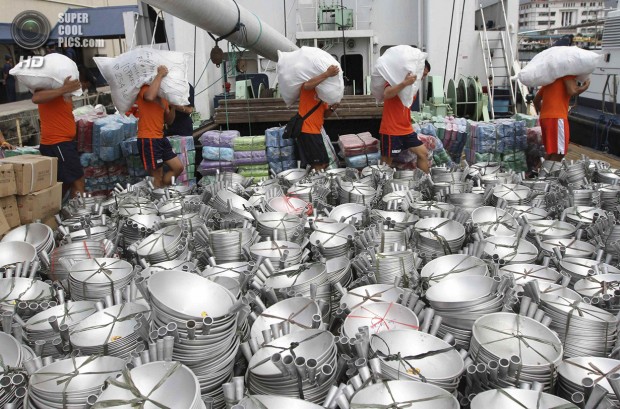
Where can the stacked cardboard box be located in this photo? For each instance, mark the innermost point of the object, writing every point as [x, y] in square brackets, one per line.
[28, 189]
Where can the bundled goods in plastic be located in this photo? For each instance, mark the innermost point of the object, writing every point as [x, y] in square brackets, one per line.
[249, 143]
[108, 135]
[84, 119]
[91, 159]
[278, 167]
[187, 174]
[361, 161]
[393, 66]
[211, 167]
[17, 151]
[280, 154]
[487, 157]
[455, 137]
[558, 62]
[410, 159]
[184, 147]
[130, 147]
[129, 71]
[534, 135]
[221, 139]
[254, 171]
[297, 67]
[516, 161]
[530, 120]
[51, 74]
[187, 158]
[357, 144]
[249, 158]
[486, 139]
[135, 167]
[511, 136]
[535, 149]
[181, 144]
[273, 138]
[217, 154]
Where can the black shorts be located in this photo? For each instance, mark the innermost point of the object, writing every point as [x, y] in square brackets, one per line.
[154, 152]
[392, 145]
[69, 166]
[312, 149]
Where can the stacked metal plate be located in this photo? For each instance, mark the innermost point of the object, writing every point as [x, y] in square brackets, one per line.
[291, 205]
[392, 265]
[37, 234]
[75, 252]
[496, 179]
[12, 355]
[292, 176]
[431, 209]
[171, 192]
[510, 249]
[286, 226]
[333, 239]
[92, 233]
[352, 213]
[403, 394]
[439, 363]
[601, 291]
[100, 277]
[533, 350]
[110, 331]
[484, 168]
[282, 254]
[530, 212]
[180, 297]
[69, 382]
[225, 201]
[167, 385]
[451, 188]
[355, 192]
[550, 229]
[165, 244]
[574, 173]
[13, 252]
[308, 192]
[438, 235]
[518, 399]
[136, 227]
[379, 317]
[370, 294]
[550, 168]
[400, 199]
[584, 329]
[466, 201]
[452, 266]
[572, 247]
[572, 371]
[390, 239]
[583, 215]
[338, 272]
[522, 273]
[298, 279]
[457, 176]
[71, 313]
[276, 367]
[234, 270]
[609, 197]
[493, 221]
[578, 268]
[512, 194]
[398, 221]
[13, 290]
[460, 301]
[132, 205]
[168, 265]
[227, 245]
[272, 401]
[609, 176]
[299, 312]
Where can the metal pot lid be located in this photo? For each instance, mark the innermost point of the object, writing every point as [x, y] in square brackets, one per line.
[332, 235]
[485, 168]
[162, 241]
[452, 266]
[37, 234]
[431, 208]
[189, 295]
[511, 193]
[300, 275]
[398, 217]
[583, 214]
[168, 265]
[518, 399]
[556, 289]
[275, 249]
[439, 231]
[466, 199]
[397, 394]
[13, 252]
[226, 201]
[572, 370]
[278, 220]
[494, 221]
[551, 229]
[572, 246]
[298, 311]
[275, 402]
[510, 249]
[442, 362]
[461, 292]
[167, 384]
[383, 168]
[10, 352]
[579, 268]
[346, 212]
[70, 313]
[531, 212]
[578, 310]
[232, 270]
[503, 335]
[13, 290]
[370, 294]
[379, 317]
[523, 273]
[136, 205]
[293, 175]
[598, 285]
[102, 271]
[449, 177]
[286, 204]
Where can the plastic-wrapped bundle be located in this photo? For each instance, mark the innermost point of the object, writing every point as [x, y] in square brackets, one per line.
[440, 130]
[95, 172]
[135, 167]
[507, 145]
[488, 157]
[249, 158]
[181, 144]
[441, 157]
[84, 134]
[97, 126]
[273, 138]
[534, 135]
[209, 167]
[130, 147]
[217, 154]
[110, 138]
[187, 158]
[278, 167]
[255, 171]
[530, 120]
[361, 161]
[280, 154]
[249, 143]
[357, 144]
[516, 161]
[485, 138]
[222, 139]
[90, 159]
[109, 153]
[428, 129]
[17, 151]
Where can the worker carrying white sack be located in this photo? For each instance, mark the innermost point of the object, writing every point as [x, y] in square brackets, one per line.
[557, 62]
[48, 72]
[128, 72]
[393, 66]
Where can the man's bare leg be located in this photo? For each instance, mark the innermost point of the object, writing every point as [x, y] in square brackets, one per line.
[175, 169]
[557, 157]
[78, 186]
[422, 154]
[158, 177]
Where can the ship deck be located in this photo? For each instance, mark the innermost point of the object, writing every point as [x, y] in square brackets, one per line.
[575, 152]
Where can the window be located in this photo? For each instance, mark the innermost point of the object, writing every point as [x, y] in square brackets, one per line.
[544, 23]
[567, 18]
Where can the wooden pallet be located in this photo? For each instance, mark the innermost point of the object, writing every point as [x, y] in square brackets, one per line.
[275, 110]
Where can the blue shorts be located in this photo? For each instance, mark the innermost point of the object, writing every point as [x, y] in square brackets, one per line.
[69, 166]
[155, 152]
[392, 145]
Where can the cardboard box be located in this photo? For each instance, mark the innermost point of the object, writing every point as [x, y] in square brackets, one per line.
[33, 172]
[8, 205]
[40, 205]
[4, 224]
[7, 180]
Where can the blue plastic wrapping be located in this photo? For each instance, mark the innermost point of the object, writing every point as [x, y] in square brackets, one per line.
[217, 154]
[361, 161]
[273, 138]
[278, 167]
[485, 138]
[281, 153]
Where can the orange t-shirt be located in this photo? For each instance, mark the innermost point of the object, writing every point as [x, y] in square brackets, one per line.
[57, 121]
[555, 99]
[396, 119]
[308, 100]
[150, 116]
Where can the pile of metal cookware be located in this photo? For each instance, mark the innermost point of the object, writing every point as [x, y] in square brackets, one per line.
[471, 287]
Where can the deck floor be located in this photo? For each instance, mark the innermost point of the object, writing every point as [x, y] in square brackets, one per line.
[575, 152]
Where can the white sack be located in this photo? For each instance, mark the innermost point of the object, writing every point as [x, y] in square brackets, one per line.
[556, 62]
[56, 68]
[393, 66]
[128, 72]
[297, 67]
